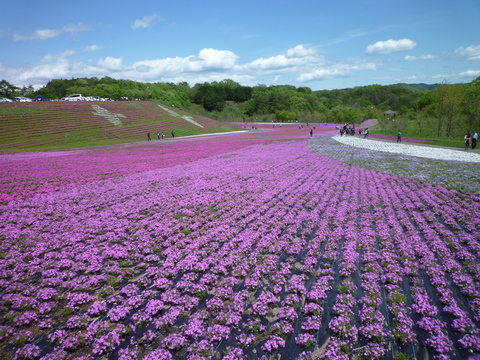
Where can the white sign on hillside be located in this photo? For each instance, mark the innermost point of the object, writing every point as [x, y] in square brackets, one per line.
[112, 117]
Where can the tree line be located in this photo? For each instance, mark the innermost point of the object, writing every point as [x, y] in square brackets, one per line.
[451, 109]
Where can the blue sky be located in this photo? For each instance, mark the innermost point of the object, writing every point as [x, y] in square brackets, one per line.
[322, 44]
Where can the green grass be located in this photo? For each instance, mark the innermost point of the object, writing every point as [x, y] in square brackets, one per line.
[433, 140]
[426, 129]
[63, 125]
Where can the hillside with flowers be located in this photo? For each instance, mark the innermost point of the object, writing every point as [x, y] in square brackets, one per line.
[60, 125]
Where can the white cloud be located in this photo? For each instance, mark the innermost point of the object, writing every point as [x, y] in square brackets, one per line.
[143, 68]
[299, 51]
[335, 70]
[217, 59]
[390, 46]
[39, 74]
[207, 61]
[473, 73]
[111, 63]
[470, 53]
[293, 58]
[53, 57]
[422, 57]
[44, 34]
[92, 48]
[273, 62]
[145, 22]
[325, 73]
[158, 68]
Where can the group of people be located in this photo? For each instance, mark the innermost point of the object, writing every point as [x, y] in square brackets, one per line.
[159, 136]
[350, 130]
[347, 130]
[471, 139]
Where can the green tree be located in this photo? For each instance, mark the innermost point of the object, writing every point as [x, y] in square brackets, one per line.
[259, 102]
[471, 105]
[7, 89]
[285, 116]
[305, 90]
[55, 89]
[343, 114]
[27, 90]
[213, 101]
[448, 101]
[211, 96]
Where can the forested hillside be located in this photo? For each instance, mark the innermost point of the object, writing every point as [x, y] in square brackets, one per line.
[443, 110]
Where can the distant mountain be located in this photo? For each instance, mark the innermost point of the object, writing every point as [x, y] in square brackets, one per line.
[421, 86]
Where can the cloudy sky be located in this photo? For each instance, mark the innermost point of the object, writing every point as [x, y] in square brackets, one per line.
[322, 44]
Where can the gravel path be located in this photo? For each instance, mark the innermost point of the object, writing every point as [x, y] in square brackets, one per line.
[429, 152]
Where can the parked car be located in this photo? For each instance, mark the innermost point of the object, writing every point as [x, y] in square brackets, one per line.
[22, 99]
[76, 97]
[40, 98]
[5, 100]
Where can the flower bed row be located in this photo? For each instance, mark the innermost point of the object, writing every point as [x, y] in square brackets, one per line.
[267, 251]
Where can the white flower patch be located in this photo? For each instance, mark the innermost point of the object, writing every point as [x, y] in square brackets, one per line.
[184, 117]
[170, 111]
[190, 120]
[428, 152]
[112, 117]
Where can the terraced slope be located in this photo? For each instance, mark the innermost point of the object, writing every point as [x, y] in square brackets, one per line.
[62, 125]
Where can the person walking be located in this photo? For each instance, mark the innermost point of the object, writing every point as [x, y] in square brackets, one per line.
[158, 136]
[148, 137]
[474, 139]
[399, 136]
[173, 134]
[311, 132]
[467, 141]
[365, 133]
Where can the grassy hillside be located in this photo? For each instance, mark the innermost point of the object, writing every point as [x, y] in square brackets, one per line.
[63, 125]
[426, 129]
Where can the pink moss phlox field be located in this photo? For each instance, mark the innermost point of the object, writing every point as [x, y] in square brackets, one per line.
[26, 174]
[23, 177]
[259, 251]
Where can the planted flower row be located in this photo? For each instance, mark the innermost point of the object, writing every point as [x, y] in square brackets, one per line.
[271, 250]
